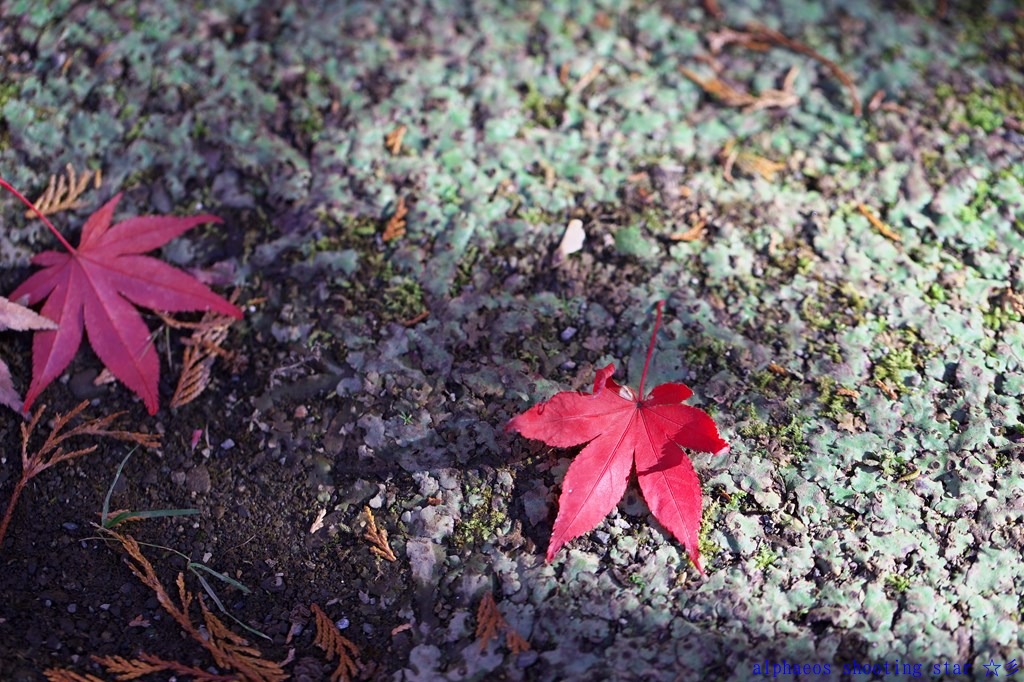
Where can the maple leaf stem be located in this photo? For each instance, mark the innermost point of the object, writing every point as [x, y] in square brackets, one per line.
[650, 348]
[6, 185]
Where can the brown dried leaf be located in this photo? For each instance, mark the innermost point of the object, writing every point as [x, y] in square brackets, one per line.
[334, 645]
[19, 318]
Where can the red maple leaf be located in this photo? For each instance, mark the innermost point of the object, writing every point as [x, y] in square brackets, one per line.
[94, 287]
[620, 427]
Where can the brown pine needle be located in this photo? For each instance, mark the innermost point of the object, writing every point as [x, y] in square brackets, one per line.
[884, 229]
[334, 645]
[415, 320]
[377, 537]
[62, 193]
[393, 140]
[395, 226]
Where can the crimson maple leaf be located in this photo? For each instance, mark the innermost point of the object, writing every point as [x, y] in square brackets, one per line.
[620, 427]
[94, 286]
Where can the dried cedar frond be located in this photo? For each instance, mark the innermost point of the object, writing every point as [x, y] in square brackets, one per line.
[334, 645]
[490, 622]
[755, 164]
[515, 643]
[695, 232]
[377, 537]
[65, 675]
[395, 226]
[228, 650]
[730, 96]
[720, 90]
[147, 664]
[128, 669]
[393, 140]
[748, 162]
[63, 191]
[201, 350]
[236, 652]
[52, 451]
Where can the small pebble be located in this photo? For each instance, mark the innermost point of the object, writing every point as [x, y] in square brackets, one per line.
[198, 480]
[567, 334]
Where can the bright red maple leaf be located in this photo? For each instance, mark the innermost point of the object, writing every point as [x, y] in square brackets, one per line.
[620, 427]
[94, 287]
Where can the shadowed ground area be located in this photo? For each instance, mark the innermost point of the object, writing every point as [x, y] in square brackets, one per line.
[829, 196]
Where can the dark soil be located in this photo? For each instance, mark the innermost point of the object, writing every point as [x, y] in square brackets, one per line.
[373, 374]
